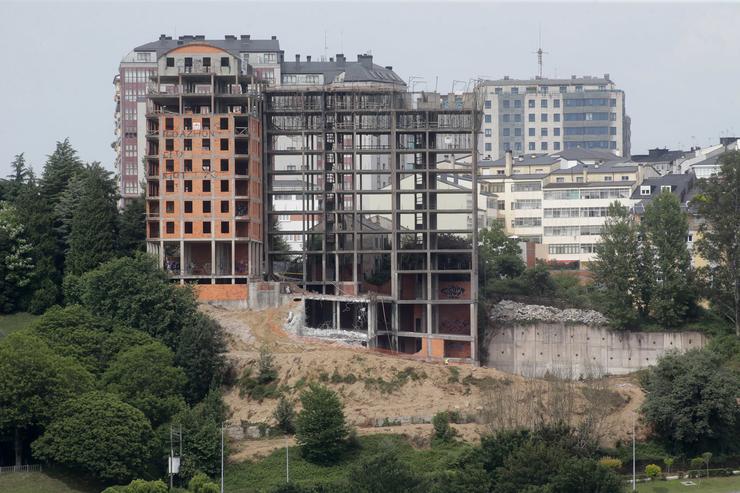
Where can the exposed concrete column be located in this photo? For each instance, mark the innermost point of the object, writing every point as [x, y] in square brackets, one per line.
[182, 260]
[213, 258]
[372, 311]
[337, 314]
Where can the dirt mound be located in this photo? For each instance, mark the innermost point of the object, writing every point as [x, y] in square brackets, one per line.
[384, 393]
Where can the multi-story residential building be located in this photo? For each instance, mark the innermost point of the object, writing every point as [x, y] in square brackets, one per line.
[134, 79]
[551, 115]
[385, 248]
[204, 161]
[559, 201]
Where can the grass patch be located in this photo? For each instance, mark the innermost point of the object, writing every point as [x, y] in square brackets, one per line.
[15, 321]
[399, 379]
[261, 476]
[711, 485]
[46, 482]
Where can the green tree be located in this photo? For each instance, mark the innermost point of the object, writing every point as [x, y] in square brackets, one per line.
[616, 265]
[285, 416]
[666, 227]
[668, 461]
[201, 452]
[201, 483]
[321, 431]
[719, 243]
[16, 260]
[20, 176]
[538, 280]
[383, 472]
[442, 431]
[139, 486]
[530, 466]
[34, 385]
[498, 255]
[200, 353]
[93, 229]
[691, 401]
[98, 434]
[60, 167]
[132, 227]
[144, 376]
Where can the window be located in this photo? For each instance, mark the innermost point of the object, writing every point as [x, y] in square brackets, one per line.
[206, 207]
[206, 123]
[531, 103]
[188, 185]
[207, 227]
[487, 118]
[517, 132]
[556, 117]
[206, 61]
[487, 104]
[188, 165]
[506, 132]
[169, 186]
[607, 178]
[188, 123]
[488, 132]
[531, 146]
[579, 88]
[556, 103]
[224, 144]
[556, 145]
[224, 226]
[188, 227]
[205, 144]
[612, 130]
[188, 206]
[556, 131]
[505, 118]
[517, 117]
[206, 165]
[169, 124]
[170, 61]
[169, 227]
[543, 103]
[579, 179]
[526, 222]
[224, 206]
[560, 179]
[543, 132]
[563, 89]
[507, 146]
[507, 103]
[562, 230]
[531, 117]
[613, 103]
[665, 188]
[188, 144]
[169, 207]
[543, 146]
[690, 238]
[543, 117]
[224, 165]
[169, 145]
[206, 184]
[564, 249]
[224, 61]
[625, 178]
[528, 186]
[518, 145]
[531, 131]
[224, 185]
[514, 90]
[224, 123]
[170, 165]
[517, 103]
[488, 146]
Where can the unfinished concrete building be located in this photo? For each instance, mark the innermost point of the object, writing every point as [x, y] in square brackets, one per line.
[204, 160]
[353, 211]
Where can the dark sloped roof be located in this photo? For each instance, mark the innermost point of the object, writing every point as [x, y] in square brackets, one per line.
[680, 185]
[660, 157]
[601, 168]
[587, 154]
[523, 160]
[233, 46]
[353, 71]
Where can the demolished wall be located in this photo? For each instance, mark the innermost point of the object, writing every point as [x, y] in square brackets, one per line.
[536, 341]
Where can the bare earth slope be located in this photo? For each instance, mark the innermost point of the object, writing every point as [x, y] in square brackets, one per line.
[384, 393]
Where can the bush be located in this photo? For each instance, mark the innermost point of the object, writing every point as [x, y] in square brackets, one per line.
[201, 483]
[382, 473]
[285, 416]
[44, 297]
[610, 462]
[139, 486]
[653, 471]
[443, 432]
[321, 431]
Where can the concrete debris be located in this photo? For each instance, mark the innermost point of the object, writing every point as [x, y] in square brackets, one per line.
[295, 324]
[511, 311]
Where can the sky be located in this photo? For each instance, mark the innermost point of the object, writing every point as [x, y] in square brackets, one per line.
[678, 63]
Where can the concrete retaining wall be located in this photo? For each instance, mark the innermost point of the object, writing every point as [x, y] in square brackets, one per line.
[577, 350]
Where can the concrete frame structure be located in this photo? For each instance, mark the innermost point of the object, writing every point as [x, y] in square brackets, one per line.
[379, 252]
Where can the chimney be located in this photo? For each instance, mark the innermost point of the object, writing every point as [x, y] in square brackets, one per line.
[245, 37]
[584, 173]
[606, 76]
[273, 38]
[365, 60]
[331, 59]
[162, 36]
[389, 67]
[573, 77]
[506, 77]
[341, 59]
[230, 37]
[297, 58]
[308, 58]
[509, 166]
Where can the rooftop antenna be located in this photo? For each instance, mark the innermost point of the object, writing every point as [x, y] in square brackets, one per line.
[326, 48]
[341, 41]
[539, 52]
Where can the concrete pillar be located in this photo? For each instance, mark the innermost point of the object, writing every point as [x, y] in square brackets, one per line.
[337, 314]
[372, 311]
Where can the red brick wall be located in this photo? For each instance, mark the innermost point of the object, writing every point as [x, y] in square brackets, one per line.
[221, 292]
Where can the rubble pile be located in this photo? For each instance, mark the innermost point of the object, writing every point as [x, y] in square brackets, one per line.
[511, 311]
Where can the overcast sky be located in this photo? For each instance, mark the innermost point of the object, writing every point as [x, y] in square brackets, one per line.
[679, 64]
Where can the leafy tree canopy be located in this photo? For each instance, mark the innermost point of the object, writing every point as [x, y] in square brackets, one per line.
[321, 430]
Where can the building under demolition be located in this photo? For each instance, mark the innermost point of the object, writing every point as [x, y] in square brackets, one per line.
[338, 162]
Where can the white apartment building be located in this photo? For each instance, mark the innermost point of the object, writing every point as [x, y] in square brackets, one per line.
[552, 115]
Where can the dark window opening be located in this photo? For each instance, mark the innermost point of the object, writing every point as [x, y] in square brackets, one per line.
[224, 144]
[188, 165]
[188, 124]
[206, 206]
[169, 144]
[224, 226]
[170, 227]
[188, 228]
[188, 185]
[224, 206]
[169, 123]
[188, 144]
[224, 61]
[170, 165]
[224, 185]
[207, 227]
[169, 207]
[224, 165]
[170, 61]
[169, 186]
[206, 165]
[188, 61]
[188, 206]
[206, 185]
[206, 144]
[224, 123]
[206, 123]
[206, 61]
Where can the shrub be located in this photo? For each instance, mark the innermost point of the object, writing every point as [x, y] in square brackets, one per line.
[139, 486]
[443, 432]
[285, 416]
[201, 483]
[653, 471]
[610, 462]
[44, 297]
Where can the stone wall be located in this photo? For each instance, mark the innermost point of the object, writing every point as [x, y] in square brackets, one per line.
[577, 350]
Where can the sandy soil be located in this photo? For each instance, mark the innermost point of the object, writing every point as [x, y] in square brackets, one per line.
[436, 387]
